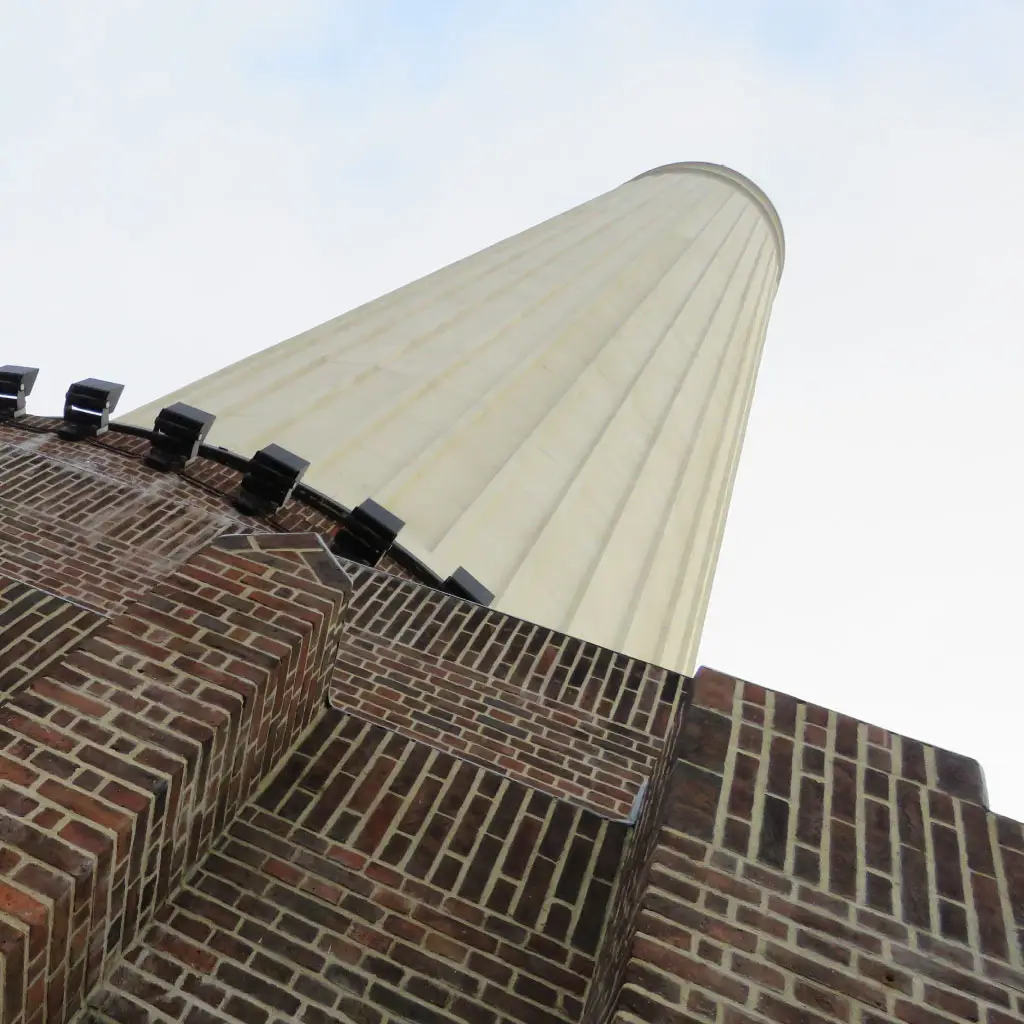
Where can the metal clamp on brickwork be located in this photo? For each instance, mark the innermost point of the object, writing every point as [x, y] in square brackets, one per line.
[87, 408]
[177, 435]
[465, 585]
[16, 383]
[368, 533]
[269, 480]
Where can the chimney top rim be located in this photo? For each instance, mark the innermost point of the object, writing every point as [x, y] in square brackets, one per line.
[740, 181]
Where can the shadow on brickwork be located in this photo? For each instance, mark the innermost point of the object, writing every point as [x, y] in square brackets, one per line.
[36, 630]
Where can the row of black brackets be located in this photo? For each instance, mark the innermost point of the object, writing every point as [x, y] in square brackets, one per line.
[368, 533]
[16, 383]
[87, 404]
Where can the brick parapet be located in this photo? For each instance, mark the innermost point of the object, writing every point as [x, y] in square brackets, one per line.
[537, 659]
[568, 717]
[121, 765]
[812, 868]
[210, 483]
[544, 743]
[78, 530]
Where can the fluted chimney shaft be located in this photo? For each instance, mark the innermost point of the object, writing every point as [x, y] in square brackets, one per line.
[561, 413]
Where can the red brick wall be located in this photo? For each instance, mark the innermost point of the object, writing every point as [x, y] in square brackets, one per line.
[86, 524]
[378, 879]
[568, 717]
[494, 824]
[612, 686]
[121, 765]
[395, 568]
[91, 522]
[632, 876]
[36, 630]
[813, 868]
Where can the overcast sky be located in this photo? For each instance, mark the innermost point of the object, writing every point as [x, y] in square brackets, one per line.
[184, 183]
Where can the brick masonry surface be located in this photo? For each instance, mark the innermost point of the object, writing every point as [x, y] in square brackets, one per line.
[533, 658]
[631, 878]
[36, 630]
[84, 534]
[243, 781]
[89, 521]
[394, 568]
[568, 717]
[812, 868]
[92, 523]
[121, 765]
[376, 878]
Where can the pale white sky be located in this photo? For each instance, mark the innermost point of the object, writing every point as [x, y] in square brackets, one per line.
[184, 183]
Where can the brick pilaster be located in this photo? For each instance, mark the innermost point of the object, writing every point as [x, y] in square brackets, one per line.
[121, 765]
[813, 868]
